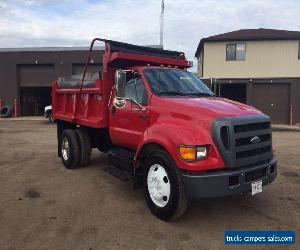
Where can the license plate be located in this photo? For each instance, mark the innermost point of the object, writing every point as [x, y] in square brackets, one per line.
[256, 187]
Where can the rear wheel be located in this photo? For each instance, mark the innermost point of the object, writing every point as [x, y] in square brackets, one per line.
[163, 187]
[69, 149]
[85, 146]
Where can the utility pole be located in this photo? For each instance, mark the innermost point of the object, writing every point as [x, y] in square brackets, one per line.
[162, 23]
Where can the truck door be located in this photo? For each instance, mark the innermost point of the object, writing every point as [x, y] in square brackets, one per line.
[129, 114]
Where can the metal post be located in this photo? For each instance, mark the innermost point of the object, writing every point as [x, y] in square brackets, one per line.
[291, 115]
[162, 23]
[215, 87]
[16, 107]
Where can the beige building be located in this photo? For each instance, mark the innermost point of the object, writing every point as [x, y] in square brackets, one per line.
[260, 67]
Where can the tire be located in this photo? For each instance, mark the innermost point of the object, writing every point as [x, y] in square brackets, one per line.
[6, 111]
[169, 207]
[70, 152]
[102, 149]
[85, 146]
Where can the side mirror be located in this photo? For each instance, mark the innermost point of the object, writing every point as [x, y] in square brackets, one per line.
[120, 83]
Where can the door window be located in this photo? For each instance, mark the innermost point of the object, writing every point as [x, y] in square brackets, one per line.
[135, 88]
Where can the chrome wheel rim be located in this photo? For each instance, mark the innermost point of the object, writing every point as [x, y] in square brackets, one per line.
[65, 149]
[159, 187]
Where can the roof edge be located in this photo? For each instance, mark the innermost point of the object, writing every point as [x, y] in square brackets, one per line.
[260, 34]
[57, 49]
[203, 40]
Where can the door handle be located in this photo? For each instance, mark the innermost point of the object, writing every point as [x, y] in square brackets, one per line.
[113, 109]
[143, 116]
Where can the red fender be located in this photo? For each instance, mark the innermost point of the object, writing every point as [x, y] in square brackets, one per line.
[170, 136]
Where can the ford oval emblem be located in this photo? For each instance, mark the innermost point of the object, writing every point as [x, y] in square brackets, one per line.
[255, 140]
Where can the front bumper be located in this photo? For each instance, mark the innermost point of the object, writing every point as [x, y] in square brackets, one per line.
[228, 182]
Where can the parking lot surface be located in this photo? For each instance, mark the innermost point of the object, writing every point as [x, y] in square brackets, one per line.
[43, 205]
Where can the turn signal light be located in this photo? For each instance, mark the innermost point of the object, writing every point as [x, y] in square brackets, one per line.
[193, 153]
[187, 153]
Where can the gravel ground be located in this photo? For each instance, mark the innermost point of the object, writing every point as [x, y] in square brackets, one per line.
[43, 205]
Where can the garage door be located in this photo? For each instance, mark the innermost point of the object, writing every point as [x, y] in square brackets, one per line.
[36, 75]
[273, 100]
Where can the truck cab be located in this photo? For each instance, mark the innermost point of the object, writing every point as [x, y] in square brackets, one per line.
[166, 129]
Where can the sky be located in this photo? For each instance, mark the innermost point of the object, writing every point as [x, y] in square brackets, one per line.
[51, 23]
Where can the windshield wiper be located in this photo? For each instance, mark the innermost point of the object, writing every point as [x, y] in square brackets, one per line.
[172, 93]
[199, 94]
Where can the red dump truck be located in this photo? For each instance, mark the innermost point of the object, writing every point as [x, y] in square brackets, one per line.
[163, 128]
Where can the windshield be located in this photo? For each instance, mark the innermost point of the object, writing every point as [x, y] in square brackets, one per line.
[172, 82]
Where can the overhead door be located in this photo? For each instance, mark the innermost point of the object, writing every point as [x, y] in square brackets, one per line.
[36, 75]
[273, 100]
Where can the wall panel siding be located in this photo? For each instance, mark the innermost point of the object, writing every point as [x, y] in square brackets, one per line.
[78, 68]
[200, 64]
[263, 59]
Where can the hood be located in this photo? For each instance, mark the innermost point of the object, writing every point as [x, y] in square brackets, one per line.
[214, 107]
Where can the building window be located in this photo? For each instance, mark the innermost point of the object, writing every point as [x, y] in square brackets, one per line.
[236, 52]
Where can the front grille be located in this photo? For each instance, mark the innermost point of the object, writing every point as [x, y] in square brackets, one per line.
[251, 127]
[253, 152]
[243, 141]
[225, 137]
[247, 140]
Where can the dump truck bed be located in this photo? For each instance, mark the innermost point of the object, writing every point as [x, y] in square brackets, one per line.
[84, 99]
[82, 106]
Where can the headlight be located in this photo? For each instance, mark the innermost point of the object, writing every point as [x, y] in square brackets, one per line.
[193, 153]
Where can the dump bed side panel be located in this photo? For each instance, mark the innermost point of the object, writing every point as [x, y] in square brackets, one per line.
[88, 108]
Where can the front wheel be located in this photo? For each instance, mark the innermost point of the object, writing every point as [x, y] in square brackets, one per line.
[163, 187]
